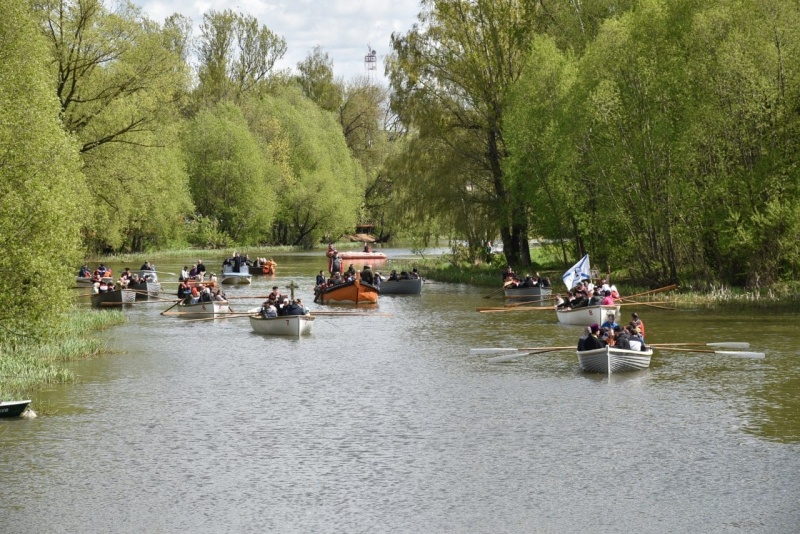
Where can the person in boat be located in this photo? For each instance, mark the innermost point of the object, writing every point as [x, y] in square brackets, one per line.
[268, 309]
[275, 294]
[102, 286]
[96, 287]
[294, 309]
[102, 270]
[367, 249]
[414, 274]
[351, 270]
[593, 341]
[193, 271]
[183, 289]
[637, 323]
[393, 276]
[595, 298]
[126, 276]
[219, 295]
[147, 267]
[336, 279]
[586, 333]
[610, 321]
[320, 281]
[404, 275]
[85, 272]
[367, 276]
[622, 338]
[377, 279]
[635, 338]
[184, 273]
[507, 274]
[201, 269]
[336, 263]
[608, 300]
[305, 309]
[614, 292]
[269, 266]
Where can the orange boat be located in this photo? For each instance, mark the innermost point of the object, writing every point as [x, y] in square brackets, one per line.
[355, 292]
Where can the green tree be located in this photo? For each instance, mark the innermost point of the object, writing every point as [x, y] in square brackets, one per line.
[41, 188]
[228, 173]
[315, 76]
[450, 76]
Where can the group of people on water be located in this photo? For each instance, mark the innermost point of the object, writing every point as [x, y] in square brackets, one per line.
[103, 282]
[511, 280]
[587, 294]
[192, 291]
[197, 272]
[278, 305]
[610, 333]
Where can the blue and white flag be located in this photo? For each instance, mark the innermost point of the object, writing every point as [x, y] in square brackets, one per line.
[577, 273]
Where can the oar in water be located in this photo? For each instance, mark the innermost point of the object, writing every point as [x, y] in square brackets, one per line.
[526, 308]
[511, 357]
[719, 345]
[502, 350]
[350, 314]
[496, 291]
[226, 316]
[735, 354]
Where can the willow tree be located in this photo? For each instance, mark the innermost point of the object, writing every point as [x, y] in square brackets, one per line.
[41, 188]
[321, 185]
[450, 75]
[118, 76]
[228, 173]
[236, 56]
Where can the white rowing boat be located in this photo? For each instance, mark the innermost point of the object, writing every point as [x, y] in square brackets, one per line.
[587, 315]
[203, 310]
[611, 360]
[286, 325]
[232, 276]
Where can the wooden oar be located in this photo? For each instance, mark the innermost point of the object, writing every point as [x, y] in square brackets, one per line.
[500, 350]
[176, 303]
[526, 308]
[719, 345]
[735, 354]
[350, 314]
[511, 357]
[226, 316]
[626, 301]
[659, 290]
[495, 292]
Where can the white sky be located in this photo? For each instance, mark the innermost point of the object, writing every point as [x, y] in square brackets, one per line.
[343, 28]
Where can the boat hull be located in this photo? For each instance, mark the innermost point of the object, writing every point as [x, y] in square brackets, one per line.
[113, 298]
[355, 292]
[402, 287]
[145, 289]
[587, 315]
[528, 294]
[203, 310]
[288, 325]
[13, 408]
[231, 277]
[609, 360]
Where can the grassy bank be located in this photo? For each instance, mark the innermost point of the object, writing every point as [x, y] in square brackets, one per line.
[27, 365]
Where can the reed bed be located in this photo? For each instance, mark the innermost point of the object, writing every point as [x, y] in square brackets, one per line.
[27, 364]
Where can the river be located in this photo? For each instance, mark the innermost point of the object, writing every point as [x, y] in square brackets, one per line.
[381, 424]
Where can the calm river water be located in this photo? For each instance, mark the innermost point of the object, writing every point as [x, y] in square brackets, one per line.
[387, 424]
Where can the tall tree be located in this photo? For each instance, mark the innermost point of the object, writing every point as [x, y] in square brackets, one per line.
[41, 187]
[450, 76]
[315, 75]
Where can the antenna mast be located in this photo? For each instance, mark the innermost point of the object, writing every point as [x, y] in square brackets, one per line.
[370, 63]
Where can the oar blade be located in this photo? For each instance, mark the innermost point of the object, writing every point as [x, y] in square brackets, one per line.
[742, 354]
[729, 345]
[506, 358]
[491, 351]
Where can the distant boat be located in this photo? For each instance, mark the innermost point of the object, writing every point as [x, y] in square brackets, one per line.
[286, 325]
[232, 276]
[355, 292]
[411, 286]
[147, 286]
[118, 297]
[528, 294]
[355, 255]
[611, 360]
[13, 408]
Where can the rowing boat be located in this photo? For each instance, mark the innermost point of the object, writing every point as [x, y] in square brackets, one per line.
[587, 315]
[611, 360]
[117, 297]
[286, 325]
[13, 408]
[412, 286]
[528, 294]
[203, 310]
[354, 292]
[354, 255]
[230, 275]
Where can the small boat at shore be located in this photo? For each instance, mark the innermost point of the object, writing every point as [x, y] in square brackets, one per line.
[609, 360]
[286, 325]
[402, 287]
[13, 408]
[355, 292]
[118, 297]
[587, 315]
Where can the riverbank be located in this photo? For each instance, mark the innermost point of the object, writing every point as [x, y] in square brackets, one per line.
[29, 364]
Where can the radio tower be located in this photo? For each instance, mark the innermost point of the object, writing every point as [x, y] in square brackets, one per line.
[371, 63]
